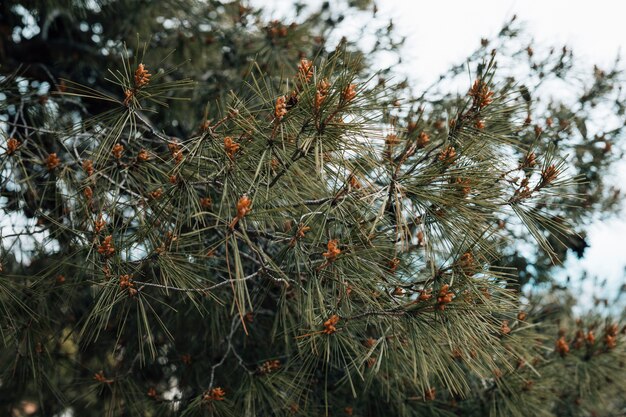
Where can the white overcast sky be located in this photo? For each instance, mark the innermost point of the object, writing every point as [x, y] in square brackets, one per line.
[443, 32]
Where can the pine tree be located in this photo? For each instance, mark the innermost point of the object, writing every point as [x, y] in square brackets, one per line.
[209, 213]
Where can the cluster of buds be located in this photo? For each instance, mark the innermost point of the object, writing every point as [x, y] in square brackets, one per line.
[128, 96]
[399, 291]
[457, 354]
[439, 124]
[354, 182]
[206, 202]
[126, 283]
[447, 155]
[269, 366]
[330, 324]
[528, 120]
[467, 263]
[464, 185]
[393, 265]
[349, 93]
[142, 76]
[445, 297]
[548, 175]
[52, 161]
[117, 151]
[106, 248]
[523, 191]
[422, 140]
[205, 125]
[143, 155]
[527, 385]
[562, 347]
[420, 239]
[288, 225]
[176, 151]
[305, 70]
[244, 205]
[425, 295]
[215, 394]
[371, 361]
[332, 250]
[230, 146]
[391, 140]
[323, 87]
[529, 161]
[98, 224]
[101, 378]
[468, 296]
[249, 317]
[480, 94]
[280, 109]
[485, 293]
[12, 146]
[582, 338]
[480, 124]
[106, 270]
[88, 193]
[302, 229]
[168, 240]
[430, 394]
[504, 327]
[88, 167]
[610, 336]
[156, 194]
[276, 29]
[369, 342]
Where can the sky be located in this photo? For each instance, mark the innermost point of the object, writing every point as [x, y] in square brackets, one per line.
[441, 33]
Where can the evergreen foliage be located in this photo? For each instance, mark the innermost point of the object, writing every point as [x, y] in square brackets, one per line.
[206, 213]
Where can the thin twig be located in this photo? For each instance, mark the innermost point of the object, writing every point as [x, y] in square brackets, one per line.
[212, 287]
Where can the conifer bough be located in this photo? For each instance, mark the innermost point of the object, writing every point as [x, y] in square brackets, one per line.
[299, 246]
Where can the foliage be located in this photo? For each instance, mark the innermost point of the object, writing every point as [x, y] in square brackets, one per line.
[228, 216]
